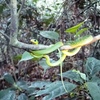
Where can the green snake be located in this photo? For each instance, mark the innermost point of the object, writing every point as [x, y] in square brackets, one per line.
[77, 44]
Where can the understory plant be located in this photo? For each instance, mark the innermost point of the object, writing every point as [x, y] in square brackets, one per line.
[80, 85]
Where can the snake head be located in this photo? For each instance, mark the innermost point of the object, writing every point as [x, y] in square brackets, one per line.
[34, 41]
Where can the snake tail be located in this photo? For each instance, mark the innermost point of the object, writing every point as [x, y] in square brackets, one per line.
[56, 63]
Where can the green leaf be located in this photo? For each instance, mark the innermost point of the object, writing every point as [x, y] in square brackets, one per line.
[26, 56]
[92, 66]
[94, 90]
[35, 1]
[73, 75]
[22, 97]
[83, 76]
[18, 57]
[8, 77]
[95, 79]
[32, 98]
[22, 85]
[50, 35]
[55, 89]
[39, 84]
[47, 19]
[44, 64]
[74, 28]
[3, 93]
[7, 95]
[81, 31]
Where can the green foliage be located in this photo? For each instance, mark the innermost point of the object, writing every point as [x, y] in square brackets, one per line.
[26, 56]
[22, 90]
[55, 89]
[74, 28]
[92, 66]
[82, 75]
[94, 90]
[50, 35]
[48, 9]
[73, 75]
[35, 1]
[39, 84]
[7, 95]
[22, 96]
[81, 31]
[88, 81]
[1, 8]
[9, 78]
[77, 30]
[43, 63]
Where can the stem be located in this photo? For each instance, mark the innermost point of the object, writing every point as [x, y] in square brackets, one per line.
[14, 22]
[14, 31]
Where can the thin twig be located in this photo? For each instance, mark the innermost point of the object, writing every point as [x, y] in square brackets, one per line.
[8, 5]
[5, 35]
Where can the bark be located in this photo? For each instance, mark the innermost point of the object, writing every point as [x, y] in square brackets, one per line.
[14, 30]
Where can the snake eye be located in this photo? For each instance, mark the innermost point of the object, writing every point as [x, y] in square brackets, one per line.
[34, 41]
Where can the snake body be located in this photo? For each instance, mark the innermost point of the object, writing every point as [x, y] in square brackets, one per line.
[77, 44]
[81, 41]
[54, 63]
[63, 53]
[48, 50]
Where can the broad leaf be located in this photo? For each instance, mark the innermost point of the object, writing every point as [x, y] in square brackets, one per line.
[7, 95]
[44, 64]
[55, 89]
[22, 97]
[39, 84]
[83, 76]
[22, 85]
[26, 56]
[8, 77]
[92, 66]
[94, 90]
[72, 75]
[32, 98]
[95, 79]
[3, 93]
[74, 28]
[50, 35]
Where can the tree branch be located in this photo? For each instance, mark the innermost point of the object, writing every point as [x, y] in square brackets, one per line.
[14, 31]
[67, 47]
[6, 36]
[28, 47]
